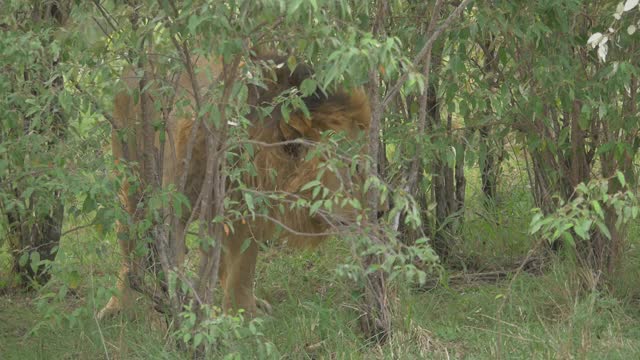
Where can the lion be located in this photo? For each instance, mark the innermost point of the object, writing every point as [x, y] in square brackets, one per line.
[341, 111]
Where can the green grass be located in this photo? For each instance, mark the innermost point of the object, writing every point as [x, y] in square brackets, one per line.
[556, 315]
[544, 317]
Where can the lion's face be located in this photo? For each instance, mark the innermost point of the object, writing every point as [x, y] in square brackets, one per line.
[344, 120]
[336, 122]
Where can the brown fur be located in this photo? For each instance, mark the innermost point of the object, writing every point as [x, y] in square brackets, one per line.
[341, 112]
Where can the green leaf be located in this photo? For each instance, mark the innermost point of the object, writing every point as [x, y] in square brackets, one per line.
[286, 112]
[89, 204]
[603, 229]
[197, 339]
[245, 244]
[308, 86]
[602, 111]
[293, 6]
[536, 223]
[328, 205]
[596, 207]
[26, 194]
[422, 277]
[356, 204]
[248, 198]
[194, 21]
[179, 200]
[24, 258]
[369, 182]
[310, 184]
[292, 62]
[621, 179]
[314, 208]
[35, 261]
[74, 279]
[568, 239]
[582, 228]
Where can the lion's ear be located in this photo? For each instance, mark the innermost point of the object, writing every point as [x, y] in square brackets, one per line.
[298, 127]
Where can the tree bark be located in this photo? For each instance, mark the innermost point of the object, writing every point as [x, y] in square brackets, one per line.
[490, 167]
[376, 322]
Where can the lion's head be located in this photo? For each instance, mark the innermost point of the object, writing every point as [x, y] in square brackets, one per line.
[341, 118]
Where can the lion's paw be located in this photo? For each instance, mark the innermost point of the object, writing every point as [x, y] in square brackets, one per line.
[111, 310]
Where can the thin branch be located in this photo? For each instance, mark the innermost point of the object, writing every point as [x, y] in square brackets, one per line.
[425, 51]
[77, 228]
[104, 31]
[295, 232]
[110, 19]
[292, 199]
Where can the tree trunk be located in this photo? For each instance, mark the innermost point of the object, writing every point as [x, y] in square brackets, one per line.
[490, 167]
[557, 174]
[448, 185]
[460, 179]
[376, 322]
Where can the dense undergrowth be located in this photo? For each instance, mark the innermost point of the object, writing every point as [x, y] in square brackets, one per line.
[553, 314]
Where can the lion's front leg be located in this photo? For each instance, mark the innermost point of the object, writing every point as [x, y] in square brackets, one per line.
[128, 272]
[237, 272]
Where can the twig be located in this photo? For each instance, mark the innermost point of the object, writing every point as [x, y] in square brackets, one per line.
[424, 51]
[295, 232]
[487, 276]
[104, 31]
[77, 228]
[107, 16]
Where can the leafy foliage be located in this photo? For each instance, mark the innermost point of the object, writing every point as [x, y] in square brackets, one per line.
[543, 92]
[585, 213]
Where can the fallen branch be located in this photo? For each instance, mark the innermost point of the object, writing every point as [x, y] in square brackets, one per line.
[531, 265]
